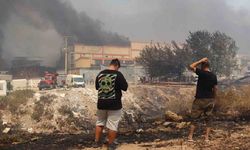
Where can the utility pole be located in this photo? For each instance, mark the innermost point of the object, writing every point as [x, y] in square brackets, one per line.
[66, 54]
[66, 50]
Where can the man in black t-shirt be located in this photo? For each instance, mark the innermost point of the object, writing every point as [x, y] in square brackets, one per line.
[109, 83]
[205, 96]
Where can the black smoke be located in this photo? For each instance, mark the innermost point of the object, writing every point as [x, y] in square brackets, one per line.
[167, 20]
[37, 17]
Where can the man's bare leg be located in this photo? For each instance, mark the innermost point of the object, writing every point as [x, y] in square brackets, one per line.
[111, 136]
[98, 133]
[191, 133]
[208, 130]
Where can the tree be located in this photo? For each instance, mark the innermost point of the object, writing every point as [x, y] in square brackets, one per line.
[163, 60]
[224, 52]
[182, 58]
[220, 48]
[200, 43]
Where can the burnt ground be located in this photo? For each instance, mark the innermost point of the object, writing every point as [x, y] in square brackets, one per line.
[225, 135]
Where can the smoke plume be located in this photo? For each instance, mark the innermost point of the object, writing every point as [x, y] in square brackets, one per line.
[35, 28]
[167, 20]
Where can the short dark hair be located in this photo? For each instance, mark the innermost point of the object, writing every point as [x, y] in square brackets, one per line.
[115, 62]
[205, 65]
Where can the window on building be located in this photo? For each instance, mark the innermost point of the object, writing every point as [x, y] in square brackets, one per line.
[107, 62]
[98, 62]
[127, 62]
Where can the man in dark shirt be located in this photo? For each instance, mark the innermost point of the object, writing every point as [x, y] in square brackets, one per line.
[109, 83]
[205, 96]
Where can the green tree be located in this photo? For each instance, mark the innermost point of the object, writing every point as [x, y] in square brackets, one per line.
[200, 43]
[220, 48]
[224, 52]
[183, 57]
[163, 60]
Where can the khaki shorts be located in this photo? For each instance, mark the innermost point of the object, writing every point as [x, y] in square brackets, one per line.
[109, 118]
[202, 110]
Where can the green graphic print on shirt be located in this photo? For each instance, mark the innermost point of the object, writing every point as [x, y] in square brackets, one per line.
[107, 86]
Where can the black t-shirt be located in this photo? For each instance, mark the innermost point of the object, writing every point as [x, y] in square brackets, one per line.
[206, 82]
[109, 84]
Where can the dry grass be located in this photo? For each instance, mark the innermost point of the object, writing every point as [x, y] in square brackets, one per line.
[66, 111]
[71, 121]
[15, 99]
[38, 112]
[41, 108]
[234, 99]
[18, 137]
[49, 114]
[1, 123]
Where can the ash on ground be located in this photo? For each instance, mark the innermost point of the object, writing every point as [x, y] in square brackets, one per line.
[154, 117]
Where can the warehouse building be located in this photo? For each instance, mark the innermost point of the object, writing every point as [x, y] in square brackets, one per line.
[88, 60]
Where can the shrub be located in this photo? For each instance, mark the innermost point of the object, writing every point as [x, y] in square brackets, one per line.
[66, 111]
[234, 99]
[38, 112]
[15, 99]
[41, 108]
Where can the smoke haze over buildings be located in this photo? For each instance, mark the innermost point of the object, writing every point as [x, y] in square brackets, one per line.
[35, 28]
[166, 20]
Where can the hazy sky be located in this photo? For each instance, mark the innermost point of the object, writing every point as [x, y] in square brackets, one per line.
[166, 20]
[239, 4]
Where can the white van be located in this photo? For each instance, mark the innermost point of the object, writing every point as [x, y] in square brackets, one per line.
[75, 81]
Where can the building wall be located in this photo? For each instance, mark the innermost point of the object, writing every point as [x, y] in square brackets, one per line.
[243, 62]
[81, 50]
[117, 51]
[137, 47]
[89, 74]
[21, 84]
[131, 73]
[85, 56]
[83, 63]
[135, 54]
[75, 71]
[3, 88]
[87, 48]
[6, 77]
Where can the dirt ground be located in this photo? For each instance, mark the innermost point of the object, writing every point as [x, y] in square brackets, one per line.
[225, 135]
[64, 119]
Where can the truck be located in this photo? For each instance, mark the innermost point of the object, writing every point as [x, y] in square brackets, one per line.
[49, 81]
[61, 80]
[73, 80]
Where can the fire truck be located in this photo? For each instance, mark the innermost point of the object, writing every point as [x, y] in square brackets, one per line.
[49, 81]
